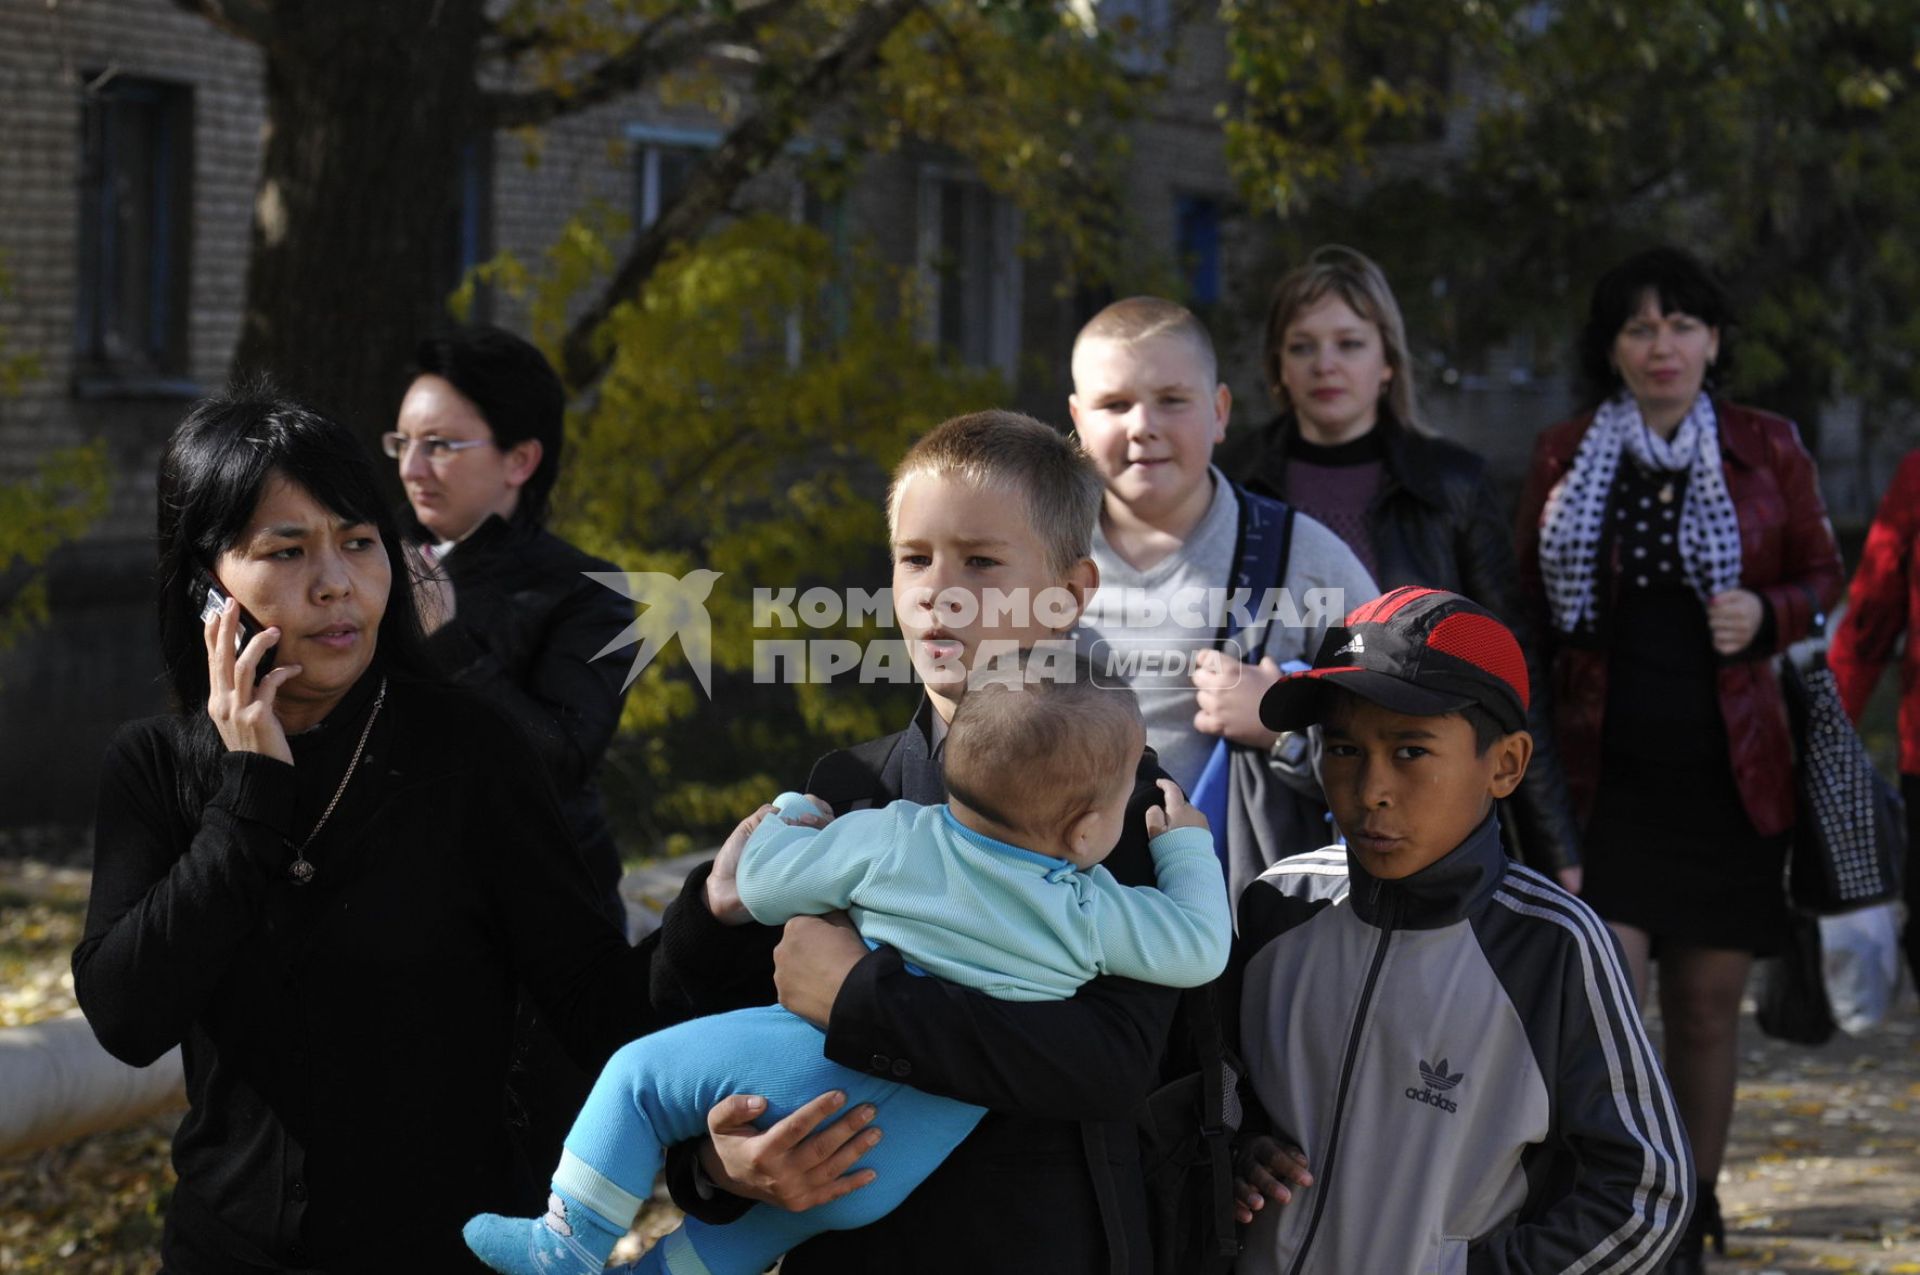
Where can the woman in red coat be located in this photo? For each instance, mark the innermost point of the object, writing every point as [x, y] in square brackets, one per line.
[1671, 543]
[1883, 603]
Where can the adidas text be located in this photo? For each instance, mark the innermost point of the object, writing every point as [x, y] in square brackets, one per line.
[1432, 1099]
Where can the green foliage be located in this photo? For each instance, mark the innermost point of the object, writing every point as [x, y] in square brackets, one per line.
[37, 514]
[761, 386]
[16, 368]
[766, 376]
[1780, 141]
[54, 504]
[1032, 103]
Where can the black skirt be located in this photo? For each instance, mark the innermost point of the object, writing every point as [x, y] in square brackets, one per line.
[1670, 850]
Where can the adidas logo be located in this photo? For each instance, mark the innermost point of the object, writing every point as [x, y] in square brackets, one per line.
[1358, 646]
[1437, 1080]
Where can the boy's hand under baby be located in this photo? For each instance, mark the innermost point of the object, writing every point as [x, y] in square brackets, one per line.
[1178, 814]
[801, 1161]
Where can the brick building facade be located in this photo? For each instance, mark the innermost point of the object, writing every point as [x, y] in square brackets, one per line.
[129, 153]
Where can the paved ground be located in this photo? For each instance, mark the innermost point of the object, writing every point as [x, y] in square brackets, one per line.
[1823, 1174]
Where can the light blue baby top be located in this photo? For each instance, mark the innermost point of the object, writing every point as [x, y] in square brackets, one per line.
[987, 914]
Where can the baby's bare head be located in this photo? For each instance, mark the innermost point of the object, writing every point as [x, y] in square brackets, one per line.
[1034, 753]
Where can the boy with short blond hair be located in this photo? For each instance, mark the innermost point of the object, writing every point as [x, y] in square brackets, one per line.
[1174, 538]
[1055, 1162]
[1487, 1100]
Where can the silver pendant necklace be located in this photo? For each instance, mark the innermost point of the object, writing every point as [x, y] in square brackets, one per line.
[300, 870]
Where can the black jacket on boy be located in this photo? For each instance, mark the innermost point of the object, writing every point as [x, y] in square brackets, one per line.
[1050, 1180]
[1436, 522]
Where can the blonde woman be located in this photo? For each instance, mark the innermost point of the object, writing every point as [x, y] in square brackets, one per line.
[1347, 448]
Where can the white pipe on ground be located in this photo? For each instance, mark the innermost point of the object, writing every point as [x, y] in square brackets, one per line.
[58, 1084]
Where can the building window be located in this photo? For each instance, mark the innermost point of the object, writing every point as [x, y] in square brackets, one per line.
[969, 265]
[1198, 247]
[466, 236]
[664, 162]
[828, 215]
[1142, 32]
[135, 199]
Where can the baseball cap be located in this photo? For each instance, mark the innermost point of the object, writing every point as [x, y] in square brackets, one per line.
[1422, 652]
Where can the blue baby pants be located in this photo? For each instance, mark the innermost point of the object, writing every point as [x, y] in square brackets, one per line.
[657, 1090]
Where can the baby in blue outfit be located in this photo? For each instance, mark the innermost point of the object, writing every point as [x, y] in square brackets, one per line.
[999, 890]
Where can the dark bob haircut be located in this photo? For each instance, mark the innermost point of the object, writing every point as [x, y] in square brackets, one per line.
[1679, 282]
[212, 474]
[516, 392]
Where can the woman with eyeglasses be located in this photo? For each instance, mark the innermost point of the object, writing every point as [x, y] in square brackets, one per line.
[478, 442]
[512, 618]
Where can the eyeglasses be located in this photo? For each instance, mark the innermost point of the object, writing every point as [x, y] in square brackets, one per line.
[438, 449]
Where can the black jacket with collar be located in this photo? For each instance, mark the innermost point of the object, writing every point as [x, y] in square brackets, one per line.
[526, 627]
[1436, 522]
[1050, 1180]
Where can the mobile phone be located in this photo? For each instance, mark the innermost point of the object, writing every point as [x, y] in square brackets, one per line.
[215, 603]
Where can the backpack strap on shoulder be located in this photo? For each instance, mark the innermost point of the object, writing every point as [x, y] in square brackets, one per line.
[1261, 553]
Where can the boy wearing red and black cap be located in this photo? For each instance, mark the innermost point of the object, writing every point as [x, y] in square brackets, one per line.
[1447, 1037]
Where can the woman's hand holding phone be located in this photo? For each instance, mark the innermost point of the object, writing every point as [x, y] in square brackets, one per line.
[241, 709]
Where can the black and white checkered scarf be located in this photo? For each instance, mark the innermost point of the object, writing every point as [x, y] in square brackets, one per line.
[1577, 508]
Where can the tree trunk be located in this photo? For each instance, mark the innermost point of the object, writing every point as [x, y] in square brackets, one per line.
[369, 106]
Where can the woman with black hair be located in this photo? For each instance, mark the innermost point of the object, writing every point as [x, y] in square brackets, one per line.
[1671, 542]
[478, 442]
[325, 879]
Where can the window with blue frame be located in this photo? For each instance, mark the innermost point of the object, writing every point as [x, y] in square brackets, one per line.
[466, 236]
[1198, 247]
[136, 177]
[664, 162]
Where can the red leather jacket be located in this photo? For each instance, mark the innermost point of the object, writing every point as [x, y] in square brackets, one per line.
[1788, 557]
[1882, 603]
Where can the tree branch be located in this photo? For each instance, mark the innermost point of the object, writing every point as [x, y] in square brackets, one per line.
[251, 20]
[645, 57]
[752, 144]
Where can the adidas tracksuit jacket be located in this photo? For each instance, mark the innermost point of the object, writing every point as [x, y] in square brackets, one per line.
[1460, 1056]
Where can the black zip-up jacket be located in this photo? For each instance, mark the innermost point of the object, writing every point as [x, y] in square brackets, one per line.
[526, 627]
[1459, 1054]
[1436, 522]
[1050, 1180]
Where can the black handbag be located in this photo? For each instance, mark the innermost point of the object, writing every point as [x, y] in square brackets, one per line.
[1849, 835]
[1790, 990]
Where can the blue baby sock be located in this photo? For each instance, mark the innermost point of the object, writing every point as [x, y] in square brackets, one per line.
[570, 1240]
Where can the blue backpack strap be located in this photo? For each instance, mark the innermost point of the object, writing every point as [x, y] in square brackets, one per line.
[1261, 555]
[1261, 552]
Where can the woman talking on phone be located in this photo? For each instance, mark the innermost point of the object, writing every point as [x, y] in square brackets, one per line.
[325, 881]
